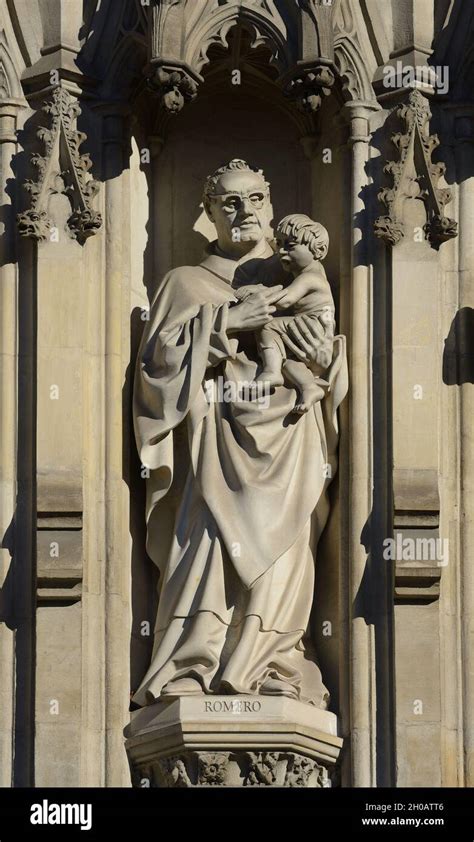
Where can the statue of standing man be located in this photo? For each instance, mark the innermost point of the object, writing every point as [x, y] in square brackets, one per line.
[237, 485]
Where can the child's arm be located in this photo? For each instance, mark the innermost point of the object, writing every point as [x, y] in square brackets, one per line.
[301, 286]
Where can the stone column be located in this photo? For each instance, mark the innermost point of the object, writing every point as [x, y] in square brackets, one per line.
[357, 314]
[452, 760]
[465, 179]
[117, 352]
[8, 430]
[8, 420]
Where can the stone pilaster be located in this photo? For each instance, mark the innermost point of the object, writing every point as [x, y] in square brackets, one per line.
[116, 359]
[357, 310]
[464, 131]
[9, 110]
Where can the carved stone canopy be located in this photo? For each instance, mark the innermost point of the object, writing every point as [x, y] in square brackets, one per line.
[415, 176]
[301, 45]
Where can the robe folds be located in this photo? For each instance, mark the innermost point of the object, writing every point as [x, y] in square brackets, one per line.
[236, 492]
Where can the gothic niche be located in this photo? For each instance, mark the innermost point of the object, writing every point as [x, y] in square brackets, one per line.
[238, 91]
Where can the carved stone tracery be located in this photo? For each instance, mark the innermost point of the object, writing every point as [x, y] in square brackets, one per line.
[62, 169]
[415, 176]
[4, 86]
[303, 59]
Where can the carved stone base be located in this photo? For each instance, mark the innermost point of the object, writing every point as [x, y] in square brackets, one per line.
[232, 741]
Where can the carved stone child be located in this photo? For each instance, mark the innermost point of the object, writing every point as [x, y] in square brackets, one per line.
[302, 244]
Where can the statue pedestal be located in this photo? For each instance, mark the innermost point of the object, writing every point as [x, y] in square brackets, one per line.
[232, 741]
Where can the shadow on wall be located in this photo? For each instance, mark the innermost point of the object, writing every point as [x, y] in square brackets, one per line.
[458, 355]
[144, 575]
[18, 593]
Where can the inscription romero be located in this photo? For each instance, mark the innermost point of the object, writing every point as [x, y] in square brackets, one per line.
[233, 706]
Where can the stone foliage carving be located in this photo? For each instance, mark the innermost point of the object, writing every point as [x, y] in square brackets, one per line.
[62, 169]
[173, 772]
[212, 768]
[300, 769]
[262, 768]
[230, 768]
[415, 176]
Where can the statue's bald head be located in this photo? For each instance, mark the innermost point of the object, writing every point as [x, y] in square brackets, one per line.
[213, 187]
[237, 200]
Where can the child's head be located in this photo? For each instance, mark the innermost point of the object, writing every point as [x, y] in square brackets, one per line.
[300, 241]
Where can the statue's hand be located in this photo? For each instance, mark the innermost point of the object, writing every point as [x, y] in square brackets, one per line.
[243, 292]
[309, 343]
[254, 311]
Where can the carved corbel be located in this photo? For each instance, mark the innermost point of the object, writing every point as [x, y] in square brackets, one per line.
[168, 74]
[175, 85]
[62, 169]
[415, 176]
[309, 87]
[313, 76]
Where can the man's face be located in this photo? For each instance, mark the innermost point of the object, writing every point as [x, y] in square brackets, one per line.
[240, 210]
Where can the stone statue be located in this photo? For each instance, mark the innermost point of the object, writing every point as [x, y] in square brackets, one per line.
[301, 244]
[237, 485]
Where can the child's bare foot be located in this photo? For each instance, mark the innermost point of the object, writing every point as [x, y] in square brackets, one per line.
[271, 378]
[309, 396]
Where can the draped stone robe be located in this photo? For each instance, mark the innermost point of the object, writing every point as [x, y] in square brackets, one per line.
[236, 494]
